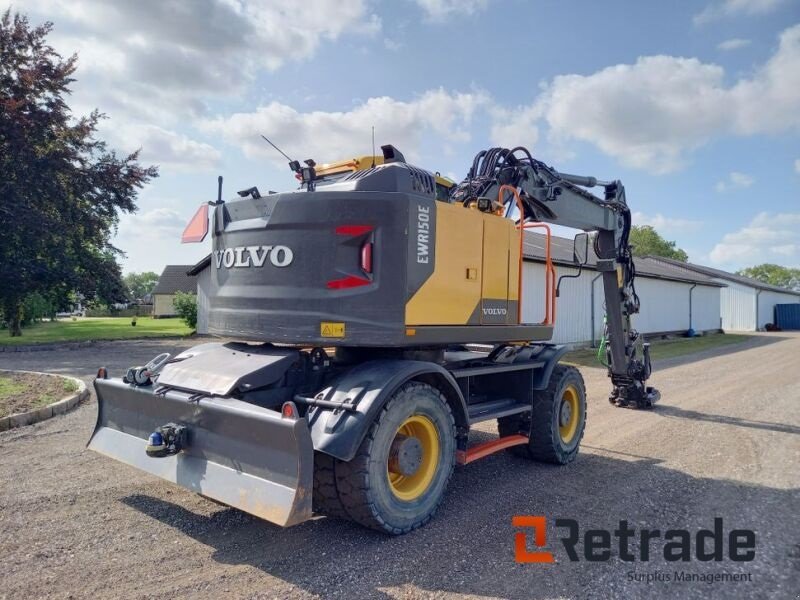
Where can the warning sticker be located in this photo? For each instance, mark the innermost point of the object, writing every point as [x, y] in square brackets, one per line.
[332, 330]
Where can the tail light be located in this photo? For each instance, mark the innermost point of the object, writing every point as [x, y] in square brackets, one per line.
[365, 255]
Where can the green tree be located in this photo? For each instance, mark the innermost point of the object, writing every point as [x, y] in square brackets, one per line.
[186, 306]
[140, 284]
[786, 277]
[61, 189]
[647, 241]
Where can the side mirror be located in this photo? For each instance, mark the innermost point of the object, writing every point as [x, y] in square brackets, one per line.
[580, 249]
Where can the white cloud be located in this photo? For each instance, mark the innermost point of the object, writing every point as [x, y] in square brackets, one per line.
[158, 223]
[517, 127]
[169, 150]
[767, 238]
[205, 43]
[797, 166]
[392, 45]
[652, 114]
[151, 238]
[647, 114]
[158, 63]
[664, 224]
[733, 44]
[441, 9]
[731, 8]
[735, 180]
[326, 135]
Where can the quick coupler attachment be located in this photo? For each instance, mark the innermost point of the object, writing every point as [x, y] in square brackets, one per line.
[166, 440]
[633, 394]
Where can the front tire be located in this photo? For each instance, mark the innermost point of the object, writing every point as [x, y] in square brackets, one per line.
[399, 474]
[556, 424]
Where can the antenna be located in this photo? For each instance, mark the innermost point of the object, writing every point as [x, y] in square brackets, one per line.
[219, 189]
[373, 146]
[276, 148]
[293, 164]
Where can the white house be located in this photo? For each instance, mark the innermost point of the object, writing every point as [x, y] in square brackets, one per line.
[173, 279]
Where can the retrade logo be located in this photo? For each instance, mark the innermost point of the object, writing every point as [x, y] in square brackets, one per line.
[632, 544]
[521, 552]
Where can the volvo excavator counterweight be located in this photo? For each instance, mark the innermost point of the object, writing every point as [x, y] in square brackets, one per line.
[379, 312]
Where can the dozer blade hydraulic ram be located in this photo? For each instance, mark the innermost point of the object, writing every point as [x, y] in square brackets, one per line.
[237, 453]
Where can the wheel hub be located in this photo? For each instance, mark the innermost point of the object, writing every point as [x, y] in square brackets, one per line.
[566, 414]
[405, 455]
[413, 458]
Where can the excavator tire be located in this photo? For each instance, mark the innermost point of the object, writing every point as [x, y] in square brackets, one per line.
[399, 474]
[556, 424]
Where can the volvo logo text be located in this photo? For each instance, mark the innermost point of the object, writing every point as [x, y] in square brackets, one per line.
[253, 256]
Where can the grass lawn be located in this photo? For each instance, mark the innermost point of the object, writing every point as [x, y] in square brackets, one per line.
[660, 349]
[95, 328]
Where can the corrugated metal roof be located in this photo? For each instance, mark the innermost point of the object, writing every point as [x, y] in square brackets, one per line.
[561, 253]
[174, 278]
[717, 273]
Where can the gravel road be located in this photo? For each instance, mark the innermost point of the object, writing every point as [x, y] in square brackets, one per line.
[724, 442]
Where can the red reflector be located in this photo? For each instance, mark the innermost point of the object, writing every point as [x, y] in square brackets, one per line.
[197, 229]
[353, 229]
[366, 257]
[289, 410]
[347, 282]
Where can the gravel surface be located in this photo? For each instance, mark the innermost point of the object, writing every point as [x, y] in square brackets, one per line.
[724, 442]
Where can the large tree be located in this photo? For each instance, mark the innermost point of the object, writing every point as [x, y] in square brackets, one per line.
[647, 241]
[140, 284]
[61, 188]
[786, 277]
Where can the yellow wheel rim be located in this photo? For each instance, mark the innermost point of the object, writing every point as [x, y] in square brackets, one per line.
[569, 414]
[411, 486]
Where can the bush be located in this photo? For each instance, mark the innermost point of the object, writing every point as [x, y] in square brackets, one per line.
[186, 306]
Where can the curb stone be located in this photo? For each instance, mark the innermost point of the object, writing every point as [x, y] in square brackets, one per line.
[41, 414]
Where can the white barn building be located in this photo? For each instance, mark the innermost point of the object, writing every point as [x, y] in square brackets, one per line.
[746, 304]
[672, 300]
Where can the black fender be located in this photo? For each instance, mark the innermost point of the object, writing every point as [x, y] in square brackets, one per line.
[367, 387]
[550, 355]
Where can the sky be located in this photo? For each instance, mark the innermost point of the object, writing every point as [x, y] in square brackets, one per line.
[694, 105]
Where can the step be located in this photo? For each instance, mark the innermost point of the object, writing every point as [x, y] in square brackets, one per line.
[494, 409]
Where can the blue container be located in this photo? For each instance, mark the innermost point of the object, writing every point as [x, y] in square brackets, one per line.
[787, 316]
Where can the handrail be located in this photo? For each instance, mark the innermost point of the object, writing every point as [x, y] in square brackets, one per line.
[550, 272]
[550, 275]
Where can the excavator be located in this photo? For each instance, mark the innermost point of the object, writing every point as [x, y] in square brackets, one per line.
[377, 309]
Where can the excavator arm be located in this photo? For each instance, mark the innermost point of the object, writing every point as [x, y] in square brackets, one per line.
[545, 195]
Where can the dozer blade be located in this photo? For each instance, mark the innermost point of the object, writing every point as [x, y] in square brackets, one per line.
[237, 453]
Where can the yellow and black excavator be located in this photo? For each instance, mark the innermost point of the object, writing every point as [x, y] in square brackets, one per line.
[379, 311]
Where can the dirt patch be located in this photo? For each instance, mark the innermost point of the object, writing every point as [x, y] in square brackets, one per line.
[23, 392]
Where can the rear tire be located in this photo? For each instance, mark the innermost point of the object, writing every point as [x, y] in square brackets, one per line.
[556, 424]
[399, 474]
